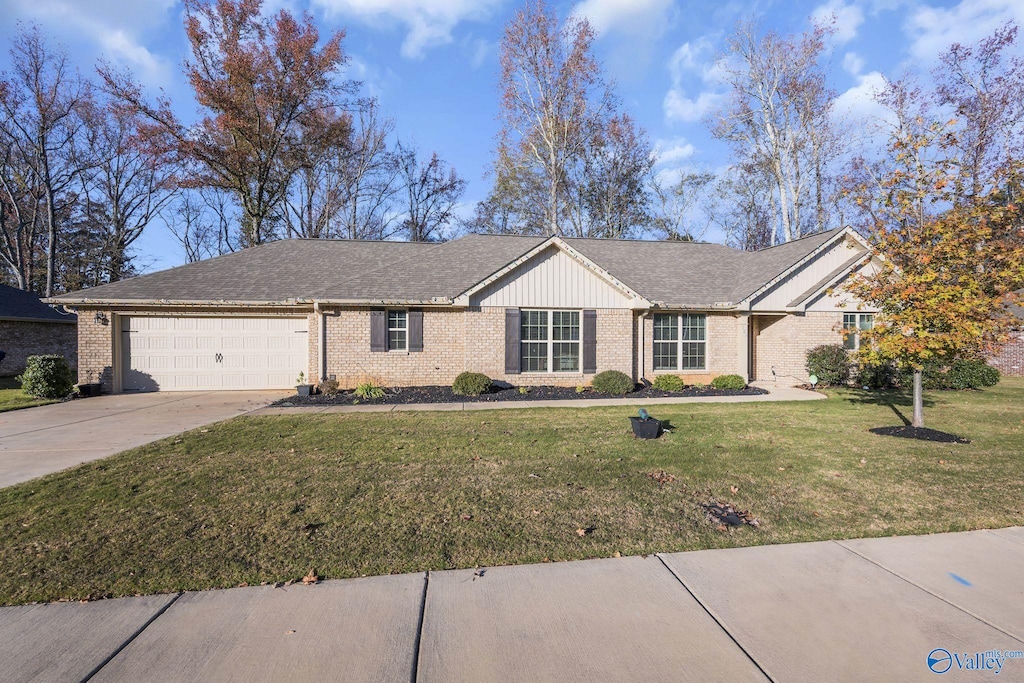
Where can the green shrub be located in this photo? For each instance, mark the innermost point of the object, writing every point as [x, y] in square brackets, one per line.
[47, 377]
[732, 382]
[523, 390]
[668, 383]
[329, 387]
[971, 373]
[965, 373]
[369, 391]
[471, 384]
[612, 382]
[831, 363]
[882, 376]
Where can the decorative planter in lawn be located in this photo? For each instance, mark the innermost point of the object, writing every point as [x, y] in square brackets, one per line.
[646, 429]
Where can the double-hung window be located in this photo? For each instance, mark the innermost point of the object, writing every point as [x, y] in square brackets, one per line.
[550, 341]
[398, 331]
[853, 325]
[680, 341]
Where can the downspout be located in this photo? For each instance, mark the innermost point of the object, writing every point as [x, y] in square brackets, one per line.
[321, 326]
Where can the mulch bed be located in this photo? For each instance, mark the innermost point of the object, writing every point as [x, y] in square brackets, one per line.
[408, 395]
[919, 433]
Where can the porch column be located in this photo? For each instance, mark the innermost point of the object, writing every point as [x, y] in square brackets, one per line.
[743, 346]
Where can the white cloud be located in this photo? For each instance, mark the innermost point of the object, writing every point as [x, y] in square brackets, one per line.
[646, 18]
[672, 151]
[933, 29]
[853, 63]
[693, 63]
[859, 103]
[848, 18]
[114, 26]
[429, 22]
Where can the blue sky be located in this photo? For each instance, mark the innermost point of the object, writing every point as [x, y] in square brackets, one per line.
[433, 64]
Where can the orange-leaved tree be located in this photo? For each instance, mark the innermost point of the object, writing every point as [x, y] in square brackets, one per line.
[950, 258]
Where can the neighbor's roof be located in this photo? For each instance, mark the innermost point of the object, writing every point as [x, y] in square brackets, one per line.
[686, 274]
[16, 304]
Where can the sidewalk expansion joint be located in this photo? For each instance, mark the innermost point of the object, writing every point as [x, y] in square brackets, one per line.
[96, 669]
[715, 617]
[931, 593]
[419, 630]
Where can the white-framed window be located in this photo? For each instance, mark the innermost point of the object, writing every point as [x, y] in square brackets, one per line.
[398, 330]
[680, 341]
[853, 325]
[549, 341]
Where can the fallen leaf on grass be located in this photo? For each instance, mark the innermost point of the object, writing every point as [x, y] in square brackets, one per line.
[310, 578]
[734, 489]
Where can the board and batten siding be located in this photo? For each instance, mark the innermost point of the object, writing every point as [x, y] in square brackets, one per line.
[804, 278]
[552, 279]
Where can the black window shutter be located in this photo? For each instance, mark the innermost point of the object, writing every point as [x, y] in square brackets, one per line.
[512, 334]
[415, 320]
[589, 342]
[378, 330]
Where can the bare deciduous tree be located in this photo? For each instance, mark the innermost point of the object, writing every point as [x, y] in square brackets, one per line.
[778, 121]
[675, 203]
[433, 190]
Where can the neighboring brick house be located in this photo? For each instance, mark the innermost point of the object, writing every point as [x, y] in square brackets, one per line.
[525, 310]
[28, 327]
[1010, 358]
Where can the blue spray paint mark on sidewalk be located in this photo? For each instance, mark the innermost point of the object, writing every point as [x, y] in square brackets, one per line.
[959, 579]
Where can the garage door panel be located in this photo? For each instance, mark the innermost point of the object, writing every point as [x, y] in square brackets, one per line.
[196, 354]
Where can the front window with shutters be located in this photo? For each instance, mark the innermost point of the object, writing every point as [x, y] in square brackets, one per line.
[398, 331]
[680, 341]
[550, 341]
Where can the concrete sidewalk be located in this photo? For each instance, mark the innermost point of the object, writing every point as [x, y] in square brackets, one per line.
[775, 393]
[890, 609]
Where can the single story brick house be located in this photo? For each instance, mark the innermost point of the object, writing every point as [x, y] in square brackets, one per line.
[28, 327]
[525, 310]
[1009, 360]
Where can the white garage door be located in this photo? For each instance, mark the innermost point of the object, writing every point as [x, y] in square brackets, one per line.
[198, 354]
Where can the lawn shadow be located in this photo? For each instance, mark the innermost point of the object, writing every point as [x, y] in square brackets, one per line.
[892, 399]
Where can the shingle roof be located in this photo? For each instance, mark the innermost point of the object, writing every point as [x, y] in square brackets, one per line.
[688, 274]
[16, 304]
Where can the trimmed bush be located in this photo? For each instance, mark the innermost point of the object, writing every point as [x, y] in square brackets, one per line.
[831, 363]
[612, 382]
[329, 387]
[971, 373]
[668, 383]
[883, 376]
[47, 377]
[730, 382]
[368, 391]
[471, 384]
[965, 373]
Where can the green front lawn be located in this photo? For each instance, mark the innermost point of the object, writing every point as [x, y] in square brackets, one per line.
[268, 498]
[13, 398]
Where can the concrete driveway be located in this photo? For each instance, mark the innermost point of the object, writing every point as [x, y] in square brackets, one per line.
[38, 441]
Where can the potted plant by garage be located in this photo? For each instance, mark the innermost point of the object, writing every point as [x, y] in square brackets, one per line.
[89, 388]
[301, 388]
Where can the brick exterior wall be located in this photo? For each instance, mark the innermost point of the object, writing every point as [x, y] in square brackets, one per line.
[783, 342]
[21, 339]
[1010, 358]
[722, 352]
[457, 340]
[95, 348]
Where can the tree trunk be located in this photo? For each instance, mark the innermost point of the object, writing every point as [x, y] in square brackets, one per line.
[918, 400]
